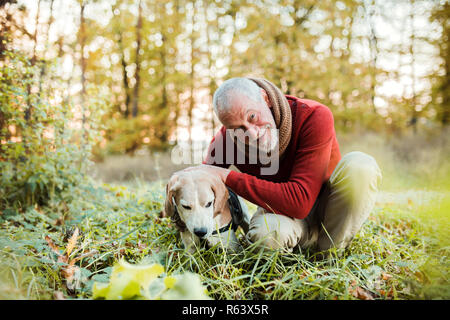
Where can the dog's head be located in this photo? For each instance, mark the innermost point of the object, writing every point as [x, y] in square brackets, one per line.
[197, 201]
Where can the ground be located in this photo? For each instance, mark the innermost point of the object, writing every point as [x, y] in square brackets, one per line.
[401, 252]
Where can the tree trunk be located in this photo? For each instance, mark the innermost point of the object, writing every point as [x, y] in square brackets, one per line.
[126, 82]
[191, 79]
[138, 48]
[212, 86]
[82, 40]
[33, 61]
[43, 61]
[411, 51]
[373, 40]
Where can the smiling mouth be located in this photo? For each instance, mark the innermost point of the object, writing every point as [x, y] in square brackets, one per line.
[263, 135]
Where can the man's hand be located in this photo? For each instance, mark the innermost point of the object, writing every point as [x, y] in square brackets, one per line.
[220, 172]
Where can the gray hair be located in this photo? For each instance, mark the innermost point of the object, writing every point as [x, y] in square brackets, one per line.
[222, 96]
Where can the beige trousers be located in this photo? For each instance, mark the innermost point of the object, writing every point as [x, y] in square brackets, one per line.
[340, 210]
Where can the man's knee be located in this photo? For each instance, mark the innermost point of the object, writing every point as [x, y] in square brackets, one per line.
[273, 231]
[355, 184]
[360, 170]
[264, 237]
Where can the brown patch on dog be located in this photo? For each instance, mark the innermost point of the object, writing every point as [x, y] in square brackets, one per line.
[169, 209]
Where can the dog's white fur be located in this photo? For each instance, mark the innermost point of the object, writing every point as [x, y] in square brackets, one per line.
[201, 200]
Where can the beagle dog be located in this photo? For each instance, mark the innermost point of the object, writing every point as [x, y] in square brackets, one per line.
[204, 209]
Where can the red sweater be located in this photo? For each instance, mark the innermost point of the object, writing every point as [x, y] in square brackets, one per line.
[308, 162]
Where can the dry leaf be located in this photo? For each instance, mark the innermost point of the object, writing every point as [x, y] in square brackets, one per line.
[420, 276]
[58, 295]
[59, 222]
[84, 255]
[362, 294]
[69, 271]
[359, 292]
[391, 293]
[72, 275]
[388, 295]
[72, 241]
[52, 246]
[63, 259]
[386, 276]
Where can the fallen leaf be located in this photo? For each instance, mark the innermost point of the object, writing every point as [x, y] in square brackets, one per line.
[69, 271]
[84, 255]
[362, 294]
[63, 259]
[73, 277]
[420, 276]
[72, 242]
[58, 295]
[52, 246]
[359, 292]
[391, 292]
[386, 276]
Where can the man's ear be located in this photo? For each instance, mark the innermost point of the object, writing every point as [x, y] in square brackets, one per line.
[220, 195]
[266, 97]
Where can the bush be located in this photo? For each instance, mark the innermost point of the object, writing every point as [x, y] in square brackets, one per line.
[43, 154]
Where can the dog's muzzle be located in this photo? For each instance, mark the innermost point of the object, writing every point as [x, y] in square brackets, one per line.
[200, 232]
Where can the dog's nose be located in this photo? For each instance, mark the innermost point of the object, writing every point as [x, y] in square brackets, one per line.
[200, 232]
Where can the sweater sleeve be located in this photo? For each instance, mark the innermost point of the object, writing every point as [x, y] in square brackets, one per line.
[295, 197]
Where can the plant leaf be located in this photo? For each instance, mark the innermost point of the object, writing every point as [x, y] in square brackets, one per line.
[169, 282]
[188, 286]
[128, 281]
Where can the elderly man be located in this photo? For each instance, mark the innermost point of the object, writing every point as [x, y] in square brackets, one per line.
[315, 198]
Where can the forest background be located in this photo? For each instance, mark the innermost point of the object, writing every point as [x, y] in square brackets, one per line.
[98, 93]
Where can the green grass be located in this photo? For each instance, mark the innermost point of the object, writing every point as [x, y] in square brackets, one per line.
[401, 252]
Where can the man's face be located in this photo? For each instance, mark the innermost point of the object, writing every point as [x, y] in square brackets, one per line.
[251, 121]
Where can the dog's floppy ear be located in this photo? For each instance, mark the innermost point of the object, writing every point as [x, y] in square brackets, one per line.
[220, 195]
[172, 186]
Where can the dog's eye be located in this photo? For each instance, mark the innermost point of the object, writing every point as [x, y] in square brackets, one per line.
[186, 207]
[208, 204]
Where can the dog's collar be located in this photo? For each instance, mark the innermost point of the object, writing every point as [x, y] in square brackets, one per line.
[236, 213]
[226, 228]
